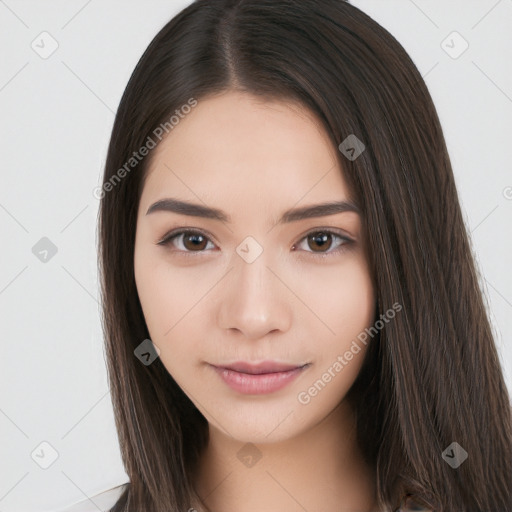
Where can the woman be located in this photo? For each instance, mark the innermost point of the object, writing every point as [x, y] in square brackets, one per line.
[292, 313]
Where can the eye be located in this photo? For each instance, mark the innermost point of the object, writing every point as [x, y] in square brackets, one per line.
[321, 239]
[190, 241]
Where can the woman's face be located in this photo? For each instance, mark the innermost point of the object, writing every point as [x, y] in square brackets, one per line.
[264, 284]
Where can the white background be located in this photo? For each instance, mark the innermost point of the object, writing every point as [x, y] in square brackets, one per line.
[56, 118]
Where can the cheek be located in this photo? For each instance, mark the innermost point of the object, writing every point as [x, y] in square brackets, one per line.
[172, 301]
[345, 302]
[161, 293]
[165, 294]
[356, 306]
[347, 307]
[343, 299]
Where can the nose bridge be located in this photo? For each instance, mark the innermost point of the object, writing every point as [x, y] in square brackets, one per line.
[254, 276]
[255, 301]
[251, 268]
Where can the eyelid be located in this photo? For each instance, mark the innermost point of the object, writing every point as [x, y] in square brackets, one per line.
[184, 229]
[326, 229]
[329, 230]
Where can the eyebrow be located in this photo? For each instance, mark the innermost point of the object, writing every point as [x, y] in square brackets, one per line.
[291, 215]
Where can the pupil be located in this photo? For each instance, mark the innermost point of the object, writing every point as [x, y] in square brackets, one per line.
[320, 239]
[193, 238]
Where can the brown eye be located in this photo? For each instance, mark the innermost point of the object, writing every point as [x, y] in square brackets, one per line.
[319, 240]
[187, 241]
[194, 241]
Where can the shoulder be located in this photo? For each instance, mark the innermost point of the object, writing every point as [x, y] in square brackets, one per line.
[103, 501]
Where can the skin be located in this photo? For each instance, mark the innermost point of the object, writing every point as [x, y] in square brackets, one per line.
[254, 159]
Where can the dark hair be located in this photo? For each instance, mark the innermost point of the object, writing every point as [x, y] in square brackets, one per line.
[432, 376]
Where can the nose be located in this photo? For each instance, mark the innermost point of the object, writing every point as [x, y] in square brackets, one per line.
[254, 301]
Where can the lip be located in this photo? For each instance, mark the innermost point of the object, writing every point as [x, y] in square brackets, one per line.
[259, 368]
[259, 378]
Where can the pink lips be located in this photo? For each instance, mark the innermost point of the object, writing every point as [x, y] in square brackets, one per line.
[257, 379]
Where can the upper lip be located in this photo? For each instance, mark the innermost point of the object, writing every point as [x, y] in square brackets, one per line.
[260, 368]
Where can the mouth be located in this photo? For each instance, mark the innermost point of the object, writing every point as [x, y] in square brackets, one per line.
[260, 368]
[261, 378]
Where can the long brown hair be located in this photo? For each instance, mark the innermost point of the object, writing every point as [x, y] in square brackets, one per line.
[432, 376]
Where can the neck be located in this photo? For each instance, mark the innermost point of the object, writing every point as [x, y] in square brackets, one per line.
[321, 469]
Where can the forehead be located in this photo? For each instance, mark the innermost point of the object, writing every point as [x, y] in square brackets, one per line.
[236, 146]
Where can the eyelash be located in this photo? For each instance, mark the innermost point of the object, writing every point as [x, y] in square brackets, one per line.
[181, 231]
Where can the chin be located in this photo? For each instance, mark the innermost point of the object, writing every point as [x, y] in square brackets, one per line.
[260, 425]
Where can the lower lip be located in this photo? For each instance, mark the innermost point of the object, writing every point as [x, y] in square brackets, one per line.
[259, 384]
